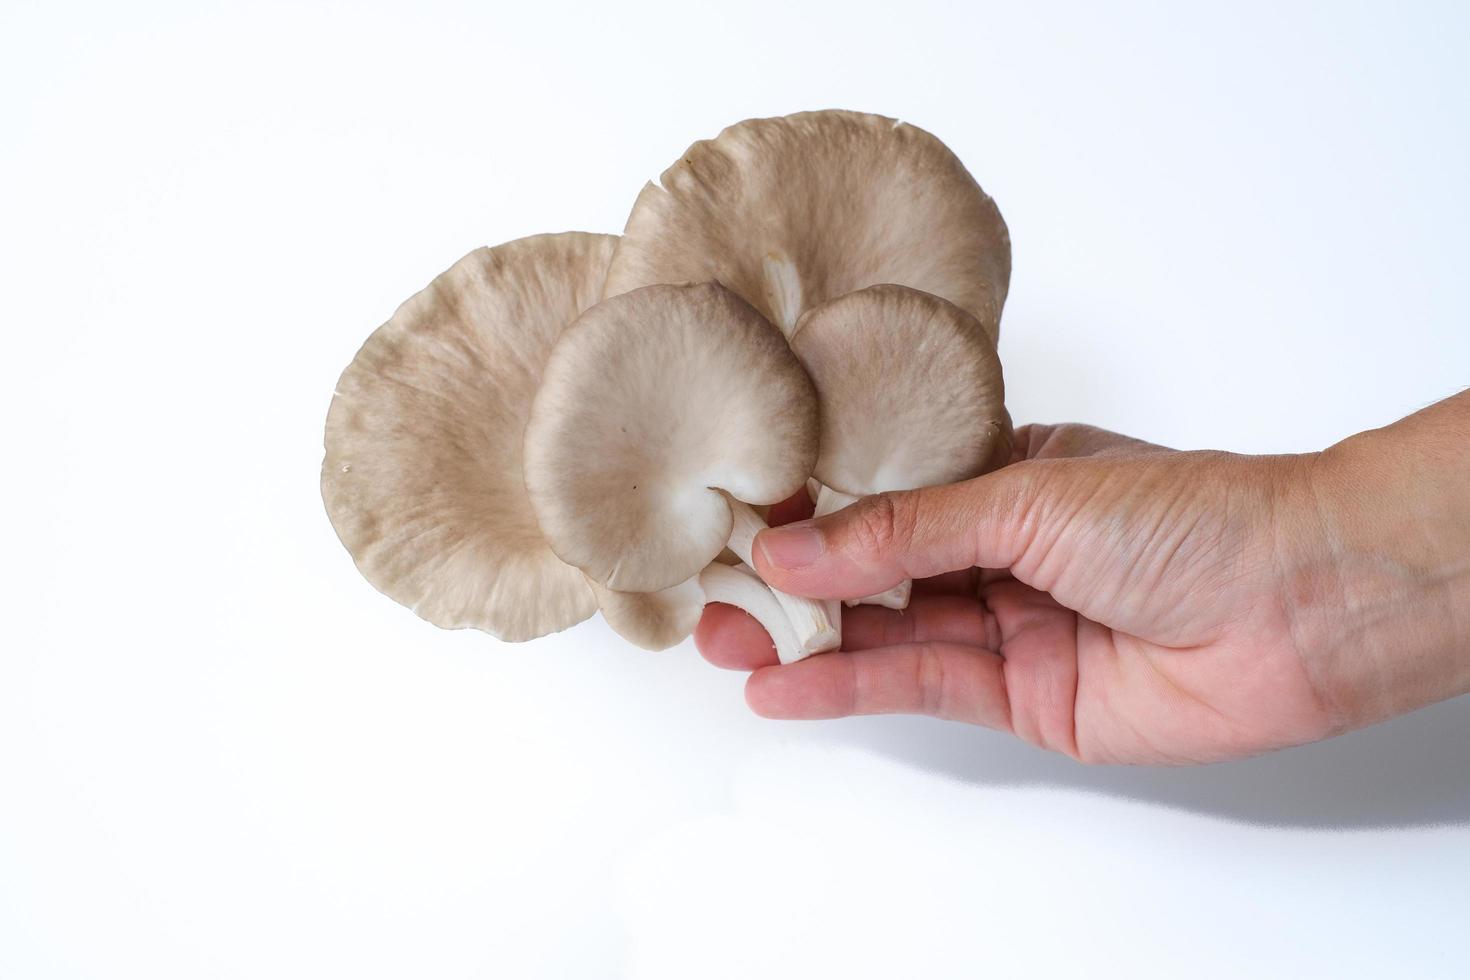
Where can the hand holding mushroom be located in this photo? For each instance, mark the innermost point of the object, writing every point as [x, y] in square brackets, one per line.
[1121, 602]
[573, 422]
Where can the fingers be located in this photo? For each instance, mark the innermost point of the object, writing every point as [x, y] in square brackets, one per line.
[731, 639]
[962, 582]
[882, 540]
[945, 680]
[1042, 647]
[928, 619]
[990, 521]
[938, 658]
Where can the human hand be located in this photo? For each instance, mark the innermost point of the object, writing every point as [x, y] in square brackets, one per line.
[1122, 602]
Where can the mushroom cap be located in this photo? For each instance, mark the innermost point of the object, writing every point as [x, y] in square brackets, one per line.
[910, 390]
[794, 211]
[653, 620]
[422, 475]
[652, 403]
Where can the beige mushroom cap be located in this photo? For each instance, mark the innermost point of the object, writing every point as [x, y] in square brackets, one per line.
[794, 211]
[910, 389]
[653, 620]
[422, 475]
[652, 403]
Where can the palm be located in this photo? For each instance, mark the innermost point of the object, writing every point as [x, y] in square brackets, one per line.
[1190, 666]
[1136, 700]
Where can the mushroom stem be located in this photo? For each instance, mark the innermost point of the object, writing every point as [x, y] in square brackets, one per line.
[828, 501]
[816, 490]
[727, 584]
[817, 630]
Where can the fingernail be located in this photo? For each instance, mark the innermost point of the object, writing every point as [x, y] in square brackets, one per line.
[791, 546]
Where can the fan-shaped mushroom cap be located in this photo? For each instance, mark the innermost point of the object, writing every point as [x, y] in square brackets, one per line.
[651, 403]
[659, 620]
[422, 475]
[910, 390]
[652, 620]
[794, 211]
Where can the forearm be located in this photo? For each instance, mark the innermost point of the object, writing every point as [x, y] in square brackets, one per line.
[1381, 609]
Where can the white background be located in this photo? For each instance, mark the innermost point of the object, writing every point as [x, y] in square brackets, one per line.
[223, 754]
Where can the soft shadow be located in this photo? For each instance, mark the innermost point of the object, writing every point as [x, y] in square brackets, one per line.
[1412, 771]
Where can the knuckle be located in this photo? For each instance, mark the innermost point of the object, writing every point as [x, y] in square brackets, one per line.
[885, 522]
[930, 681]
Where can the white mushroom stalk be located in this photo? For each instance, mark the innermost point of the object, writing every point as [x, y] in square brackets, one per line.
[663, 414]
[817, 627]
[745, 590]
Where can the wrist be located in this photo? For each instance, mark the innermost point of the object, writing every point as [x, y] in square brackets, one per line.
[1380, 595]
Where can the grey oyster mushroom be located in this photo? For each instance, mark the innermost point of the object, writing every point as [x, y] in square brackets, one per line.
[573, 422]
[797, 211]
[422, 473]
[663, 415]
[794, 211]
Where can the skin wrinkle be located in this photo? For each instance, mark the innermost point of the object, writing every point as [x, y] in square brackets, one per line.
[1074, 729]
[854, 686]
[1410, 499]
[1156, 659]
[993, 639]
[1325, 584]
[1460, 612]
[1139, 732]
[1244, 558]
[1293, 609]
[1018, 695]
[1181, 540]
[929, 668]
[1018, 513]
[1380, 608]
[1181, 554]
[1095, 743]
[1153, 660]
[1030, 564]
[1069, 712]
[879, 525]
[1007, 715]
[1119, 531]
[1040, 702]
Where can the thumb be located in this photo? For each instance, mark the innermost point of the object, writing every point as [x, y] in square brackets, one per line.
[872, 545]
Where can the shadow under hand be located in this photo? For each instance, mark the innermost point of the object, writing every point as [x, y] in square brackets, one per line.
[1412, 771]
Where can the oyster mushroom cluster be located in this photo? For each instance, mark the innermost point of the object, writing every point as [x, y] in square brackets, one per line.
[576, 422]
